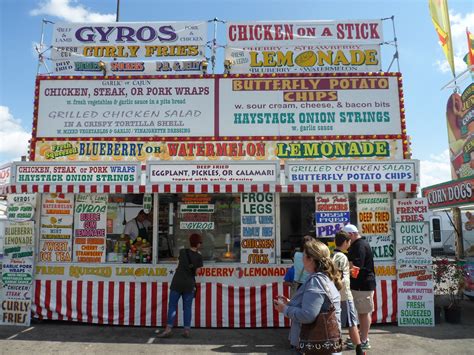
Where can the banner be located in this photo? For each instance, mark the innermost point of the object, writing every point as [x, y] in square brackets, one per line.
[305, 59]
[332, 213]
[21, 207]
[453, 193]
[125, 107]
[257, 228]
[355, 172]
[413, 245]
[309, 106]
[231, 172]
[270, 33]
[416, 297]
[128, 39]
[440, 17]
[17, 273]
[33, 173]
[5, 175]
[56, 227]
[90, 228]
[374, 222]
[460, 120]
[81, 66]
[411, 210]
[95, 150]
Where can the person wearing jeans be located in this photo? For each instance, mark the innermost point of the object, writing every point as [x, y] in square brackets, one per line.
[183, 285]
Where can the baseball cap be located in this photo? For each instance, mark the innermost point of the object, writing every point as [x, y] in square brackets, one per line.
[350, 228]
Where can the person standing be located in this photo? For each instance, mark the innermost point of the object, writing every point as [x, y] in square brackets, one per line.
[137, 227]
[348, 311]
[316, 295]
[362, 281]
[184, 285]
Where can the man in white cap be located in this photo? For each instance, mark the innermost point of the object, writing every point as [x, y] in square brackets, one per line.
[363, 285]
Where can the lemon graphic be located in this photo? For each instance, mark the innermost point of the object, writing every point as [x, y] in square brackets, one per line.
[53, 220]
[306, 59]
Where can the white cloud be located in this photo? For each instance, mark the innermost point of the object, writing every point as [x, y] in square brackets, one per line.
[13, 137]
[71, 11]
[435, 170]
[459, 23]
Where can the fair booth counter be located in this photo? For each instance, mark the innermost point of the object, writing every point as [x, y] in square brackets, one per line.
[83, 273]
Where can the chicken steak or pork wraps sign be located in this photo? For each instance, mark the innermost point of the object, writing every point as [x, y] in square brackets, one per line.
[309, 106]
[76, 108]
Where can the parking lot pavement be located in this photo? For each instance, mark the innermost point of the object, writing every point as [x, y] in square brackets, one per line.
[54, 337]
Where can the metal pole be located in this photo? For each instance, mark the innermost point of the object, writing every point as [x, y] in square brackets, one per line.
[214, 45]
[118, 11]
[396, 43]
[40, 50]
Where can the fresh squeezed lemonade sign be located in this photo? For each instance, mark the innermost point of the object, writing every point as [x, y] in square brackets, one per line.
[332, 213]
[414, 263]
[415, 297]
[56, 227]
[257, 228]
[90, 216]
[374, 224]
[17, 273]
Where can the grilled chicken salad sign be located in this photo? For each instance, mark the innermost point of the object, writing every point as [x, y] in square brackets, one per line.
[126, 107]
[309, 106]
[246, 34]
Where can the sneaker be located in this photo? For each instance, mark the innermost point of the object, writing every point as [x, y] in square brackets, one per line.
[366, 345]
[350, 345]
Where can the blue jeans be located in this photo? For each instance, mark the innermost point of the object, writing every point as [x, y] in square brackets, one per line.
[187, 307]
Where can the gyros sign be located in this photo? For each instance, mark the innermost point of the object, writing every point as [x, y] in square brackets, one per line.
[451, 194]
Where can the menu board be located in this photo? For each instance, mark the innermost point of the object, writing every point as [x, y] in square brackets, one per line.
[56, 227]
[415, 297]
[374, 224]
[257, 228]
[17, 273]
[332, 213]
[90, 228]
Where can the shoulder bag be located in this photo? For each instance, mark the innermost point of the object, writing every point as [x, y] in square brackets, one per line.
[323, 336]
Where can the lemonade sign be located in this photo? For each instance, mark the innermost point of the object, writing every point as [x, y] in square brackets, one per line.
[306, 59]
[56, 227]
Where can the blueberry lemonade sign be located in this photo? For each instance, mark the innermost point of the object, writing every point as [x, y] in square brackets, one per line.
[90, 217]
[17, 273]
[57, 211]
[373, 216]
[332, 213]
[257, 227]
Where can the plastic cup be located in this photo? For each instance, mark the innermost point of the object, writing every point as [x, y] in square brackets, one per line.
[355, 271]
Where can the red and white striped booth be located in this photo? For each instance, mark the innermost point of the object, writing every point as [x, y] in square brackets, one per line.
[228, 296]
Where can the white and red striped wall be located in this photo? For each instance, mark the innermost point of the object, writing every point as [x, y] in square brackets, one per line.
[216, 305]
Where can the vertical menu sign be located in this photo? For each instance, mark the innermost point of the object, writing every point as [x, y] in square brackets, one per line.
[257, 227]
[56, 227]
[373, 215]
[90, 216]
[414, 263]
[332, 213]
[18, 259]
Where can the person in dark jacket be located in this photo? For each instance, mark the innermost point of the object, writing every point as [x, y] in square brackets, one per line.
[183, 285]
[363, 284]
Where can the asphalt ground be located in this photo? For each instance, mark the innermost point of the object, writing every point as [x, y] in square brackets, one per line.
[54, 337]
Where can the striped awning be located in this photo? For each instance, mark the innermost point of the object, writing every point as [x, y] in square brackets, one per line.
[72, 188]
[210, 188]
